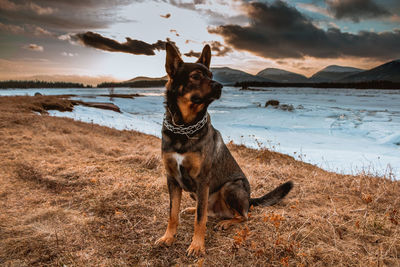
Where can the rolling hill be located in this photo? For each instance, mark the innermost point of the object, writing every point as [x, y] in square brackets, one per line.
[333, 73]
[144, 78]
[283, 76]
[389, 71]
[227, 75]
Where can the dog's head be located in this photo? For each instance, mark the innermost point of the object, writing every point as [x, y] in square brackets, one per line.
[190, 88]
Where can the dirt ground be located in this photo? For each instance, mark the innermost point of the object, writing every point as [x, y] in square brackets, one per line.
[79, 194]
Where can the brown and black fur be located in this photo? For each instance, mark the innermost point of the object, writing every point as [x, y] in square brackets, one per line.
[201, 163]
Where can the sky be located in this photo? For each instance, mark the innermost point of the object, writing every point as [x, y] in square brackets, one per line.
[92, 41]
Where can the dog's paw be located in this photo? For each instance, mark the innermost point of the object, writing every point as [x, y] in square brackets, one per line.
[196, 248]
[190, 210]
[165, 240]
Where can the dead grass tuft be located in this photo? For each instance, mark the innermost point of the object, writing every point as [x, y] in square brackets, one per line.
[148, 162]
[29, 173]
[151, 162]
[28, 250]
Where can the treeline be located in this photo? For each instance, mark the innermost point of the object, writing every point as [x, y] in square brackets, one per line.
[155, 83]
[40, 84]
[356, 85]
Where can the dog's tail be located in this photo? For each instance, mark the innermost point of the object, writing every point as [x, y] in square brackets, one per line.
[274, 196]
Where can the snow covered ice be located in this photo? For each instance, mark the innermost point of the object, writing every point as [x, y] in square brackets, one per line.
[342, 130]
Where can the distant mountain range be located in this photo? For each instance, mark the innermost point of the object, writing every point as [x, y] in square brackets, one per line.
[144, 78]
[227, 75]
[282, 76]
[332, 74]
[387, 72]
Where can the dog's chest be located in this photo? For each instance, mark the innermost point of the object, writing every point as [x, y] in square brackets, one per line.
[183, 177]
[184, 168]
[178, 160]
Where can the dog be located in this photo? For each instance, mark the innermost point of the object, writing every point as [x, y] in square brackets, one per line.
[195, 157]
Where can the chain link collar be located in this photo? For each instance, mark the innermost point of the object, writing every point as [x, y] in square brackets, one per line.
[189, 130]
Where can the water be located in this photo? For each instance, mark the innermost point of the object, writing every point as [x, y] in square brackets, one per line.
[342, 130]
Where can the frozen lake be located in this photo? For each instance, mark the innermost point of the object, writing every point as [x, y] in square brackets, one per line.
[342, 130]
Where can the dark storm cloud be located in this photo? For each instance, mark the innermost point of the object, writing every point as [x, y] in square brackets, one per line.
[219, 49]
[280, 31]
[207, 10]
[14, 29]
[187, 5]
[27, 30]
[131, 46]
[356, 9]
[191, 53]
[81, 3]
[62, 15]
[7, 5]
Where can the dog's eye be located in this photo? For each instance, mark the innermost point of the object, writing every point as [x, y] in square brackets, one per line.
[196, 76]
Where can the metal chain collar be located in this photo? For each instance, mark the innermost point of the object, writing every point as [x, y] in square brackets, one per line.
[185, 130]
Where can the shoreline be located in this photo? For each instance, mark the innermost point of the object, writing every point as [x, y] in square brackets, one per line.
[369, 170]
[129, 122]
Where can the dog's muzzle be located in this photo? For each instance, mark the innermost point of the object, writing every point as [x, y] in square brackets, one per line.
[216, 89]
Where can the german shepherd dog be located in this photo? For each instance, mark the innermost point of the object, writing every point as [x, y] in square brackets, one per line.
[195, 157]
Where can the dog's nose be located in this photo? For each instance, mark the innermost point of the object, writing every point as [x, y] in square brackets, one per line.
[217, 89]
[216, 85]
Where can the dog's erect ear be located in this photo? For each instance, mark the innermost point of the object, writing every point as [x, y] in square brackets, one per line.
[173, 60]
[205, 57]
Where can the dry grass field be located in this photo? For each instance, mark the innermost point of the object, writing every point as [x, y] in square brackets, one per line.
[78, 194]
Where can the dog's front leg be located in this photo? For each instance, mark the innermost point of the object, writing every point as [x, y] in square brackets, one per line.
[175, 194]
[197, 246]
